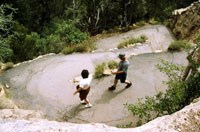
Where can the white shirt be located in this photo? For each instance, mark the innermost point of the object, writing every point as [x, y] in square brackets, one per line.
[85, 83]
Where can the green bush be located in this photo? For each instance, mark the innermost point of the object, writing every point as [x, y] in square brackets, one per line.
[85, 46]
[192, 89]
[75, 48]
[67, 50]
[6, 29]
[5, 51]
[179, 45]
[132, 41]
[162, 103]
[99, 70]
[69, 33]
[112, 64]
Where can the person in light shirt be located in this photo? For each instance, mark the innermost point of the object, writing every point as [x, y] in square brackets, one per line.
[83, 88]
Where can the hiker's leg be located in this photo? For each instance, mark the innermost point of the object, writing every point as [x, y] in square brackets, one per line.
[86, 101]
[128, 83]
[115, 82]
[84, 94]
[88, 105]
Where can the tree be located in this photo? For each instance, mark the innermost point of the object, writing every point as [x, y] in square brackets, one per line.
[6, 24]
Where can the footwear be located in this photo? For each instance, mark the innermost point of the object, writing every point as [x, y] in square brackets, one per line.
[128, 85]
[82, 102]
[88, 105]
[112, 88]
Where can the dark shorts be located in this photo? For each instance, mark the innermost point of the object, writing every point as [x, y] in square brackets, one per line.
[83, 93]
[121, 77]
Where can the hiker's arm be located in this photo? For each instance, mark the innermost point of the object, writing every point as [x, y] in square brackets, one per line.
[78, 90]
[122, 71]
[117, 72]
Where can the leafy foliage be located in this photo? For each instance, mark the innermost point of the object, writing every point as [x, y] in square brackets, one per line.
[93, 16]
[85, 46]
[99, 69]
[162, 103]
[5, 50]
[61, 34]
[59, 24]
[179, 45]
[132, 41]
[112, 64]
[69, 33]
[6, 25]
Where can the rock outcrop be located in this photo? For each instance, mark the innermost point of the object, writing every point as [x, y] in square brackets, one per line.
[5, 66]
[185, 120]
[5, 103]
[186, 22]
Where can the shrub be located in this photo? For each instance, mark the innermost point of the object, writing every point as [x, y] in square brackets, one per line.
[192, 89]
[132, 41]
[85, 46]
[6, 29]
[28, 46]
[5, 51]
[67, 50]
[162, 103]
[179, 45]
[69, 33]
[112, 64]
[99, 70]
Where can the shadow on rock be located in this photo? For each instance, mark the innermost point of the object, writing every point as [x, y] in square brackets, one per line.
[72, 111]
[107, 96]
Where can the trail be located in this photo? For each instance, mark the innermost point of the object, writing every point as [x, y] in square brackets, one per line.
[45, 83]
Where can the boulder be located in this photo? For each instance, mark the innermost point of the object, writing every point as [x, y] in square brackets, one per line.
[185, 120]
[185, 22]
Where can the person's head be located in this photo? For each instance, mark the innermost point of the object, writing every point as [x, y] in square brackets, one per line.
[122, 56]
[85, 73]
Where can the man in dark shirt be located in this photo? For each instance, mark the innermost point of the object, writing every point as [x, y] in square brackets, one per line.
[121, 73]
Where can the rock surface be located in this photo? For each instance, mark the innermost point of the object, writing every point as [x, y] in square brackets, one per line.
[185, 120]
[46, 83]
[5, 103]
[186, 22]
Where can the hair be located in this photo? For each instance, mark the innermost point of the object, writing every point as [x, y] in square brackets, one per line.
[85, 73]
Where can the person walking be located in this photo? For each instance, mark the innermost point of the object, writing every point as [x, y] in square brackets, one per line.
[121, 73]
[83, 88]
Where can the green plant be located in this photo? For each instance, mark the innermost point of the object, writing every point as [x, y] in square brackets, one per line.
[5, 51]
[6, 29]
[179, 45]
[69, 33]
[85, 46]
[67, 50]
[192, 90]
[112, 64]
[99, 70]
[172, 100]
[125, 126]
[132, 41]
